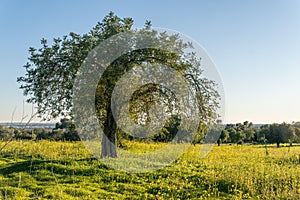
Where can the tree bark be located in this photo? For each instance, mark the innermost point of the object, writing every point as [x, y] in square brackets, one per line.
[278, 144]
[109, 148]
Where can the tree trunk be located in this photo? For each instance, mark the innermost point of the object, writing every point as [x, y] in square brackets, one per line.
[109, 148]
[278, 144]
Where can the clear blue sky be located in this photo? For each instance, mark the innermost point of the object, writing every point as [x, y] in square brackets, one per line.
[254, 43]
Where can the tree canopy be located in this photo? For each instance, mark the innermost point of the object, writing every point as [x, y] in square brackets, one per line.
[51, 70]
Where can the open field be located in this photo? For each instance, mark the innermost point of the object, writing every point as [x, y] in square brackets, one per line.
[65, 170]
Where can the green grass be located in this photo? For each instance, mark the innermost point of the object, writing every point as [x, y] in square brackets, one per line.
[66, 170]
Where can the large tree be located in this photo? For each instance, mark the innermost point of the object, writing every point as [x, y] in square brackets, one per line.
[52, 69]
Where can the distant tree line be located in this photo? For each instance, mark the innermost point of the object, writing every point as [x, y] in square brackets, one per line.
[269, 133]
[63, 130]
[238, 133]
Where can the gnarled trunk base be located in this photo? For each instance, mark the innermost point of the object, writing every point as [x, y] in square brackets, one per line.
[108, 148]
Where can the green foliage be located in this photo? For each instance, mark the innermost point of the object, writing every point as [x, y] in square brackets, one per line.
[240, 132]
[169, 131]
[42, 133]
[52, 69]
[279, 133]
[296, 126]
[273, 133]
[9, 133]
[65, 130]
[223, 137]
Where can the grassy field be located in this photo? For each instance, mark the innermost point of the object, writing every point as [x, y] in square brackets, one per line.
[65, 170]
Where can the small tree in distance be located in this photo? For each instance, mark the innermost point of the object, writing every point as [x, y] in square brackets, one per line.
[223, 137]
[280, 133]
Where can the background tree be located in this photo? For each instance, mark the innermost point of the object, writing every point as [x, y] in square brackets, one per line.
[65, 130]
[169, 131]
[42, 133]
[287, 133]
[273, 135]
[249, 131]
[236, 132]
[51, 70]
[214, 133]
[296, 126]
[280, 133]
[263, 132]
[223, 137]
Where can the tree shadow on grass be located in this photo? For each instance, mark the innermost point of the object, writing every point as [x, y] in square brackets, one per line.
[22, 166]
[57, 166]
